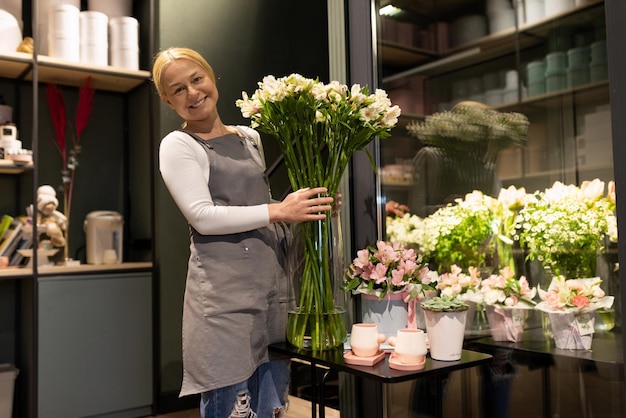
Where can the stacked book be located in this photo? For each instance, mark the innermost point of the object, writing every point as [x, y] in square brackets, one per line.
[13, 238]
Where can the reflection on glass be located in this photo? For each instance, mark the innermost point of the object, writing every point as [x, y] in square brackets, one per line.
[550, 67]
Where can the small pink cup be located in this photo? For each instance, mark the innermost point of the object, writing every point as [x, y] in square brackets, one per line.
[409, 346]
[365, 340]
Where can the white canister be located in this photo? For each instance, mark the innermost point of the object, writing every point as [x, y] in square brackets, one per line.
[124, 42]
[553, 7]
[124, 32]
[94, 44]
[124, 58]
[8, 132]
[64, 32]
[534, 10]
[10, 32]
[43, 17]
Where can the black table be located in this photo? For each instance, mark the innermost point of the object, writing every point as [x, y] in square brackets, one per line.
[376, 375]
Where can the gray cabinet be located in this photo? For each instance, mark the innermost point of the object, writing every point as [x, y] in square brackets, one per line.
[95, 345]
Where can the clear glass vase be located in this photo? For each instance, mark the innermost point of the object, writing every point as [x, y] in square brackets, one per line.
[315, 317]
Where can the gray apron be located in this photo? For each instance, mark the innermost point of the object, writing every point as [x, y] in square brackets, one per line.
[233, 305]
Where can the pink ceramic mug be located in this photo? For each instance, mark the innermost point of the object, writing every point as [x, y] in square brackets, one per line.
[409, 346]
[365, 340]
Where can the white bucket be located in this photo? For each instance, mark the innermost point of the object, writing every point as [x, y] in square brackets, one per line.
[112, 8]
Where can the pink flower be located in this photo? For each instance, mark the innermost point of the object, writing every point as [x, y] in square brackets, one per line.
[553, 301]
[379, 273]
[580, 301]
[362, 260]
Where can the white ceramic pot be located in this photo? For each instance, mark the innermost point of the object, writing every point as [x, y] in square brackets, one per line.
[446, 331]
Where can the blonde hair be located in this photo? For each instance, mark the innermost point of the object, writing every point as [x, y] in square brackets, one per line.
[167, 56]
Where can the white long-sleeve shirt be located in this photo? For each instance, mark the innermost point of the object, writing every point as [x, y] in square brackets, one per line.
[185, 169]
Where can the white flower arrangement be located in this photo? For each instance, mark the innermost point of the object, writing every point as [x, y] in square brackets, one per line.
[406, 229]
[564, 227]
[458, 234]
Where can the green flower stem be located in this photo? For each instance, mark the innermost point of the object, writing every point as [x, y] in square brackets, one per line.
[316, 313]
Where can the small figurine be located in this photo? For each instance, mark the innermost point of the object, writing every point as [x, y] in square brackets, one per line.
[47, 215]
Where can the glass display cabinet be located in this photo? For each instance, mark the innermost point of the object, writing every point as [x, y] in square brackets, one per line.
[547, 60]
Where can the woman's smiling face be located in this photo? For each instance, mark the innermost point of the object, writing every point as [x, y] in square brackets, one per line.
[190, 91]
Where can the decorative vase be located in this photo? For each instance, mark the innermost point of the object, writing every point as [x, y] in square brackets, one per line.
[390, 313]
[315, 318]
[572, 331]
[507, 324]
[446, 331]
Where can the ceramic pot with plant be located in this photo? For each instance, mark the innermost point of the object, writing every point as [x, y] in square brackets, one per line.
[445, 318]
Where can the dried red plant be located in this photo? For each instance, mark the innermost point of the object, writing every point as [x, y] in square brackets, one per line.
[69, 157]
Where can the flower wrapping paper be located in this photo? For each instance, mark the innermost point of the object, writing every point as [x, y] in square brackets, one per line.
[572, 331]
[507, 324]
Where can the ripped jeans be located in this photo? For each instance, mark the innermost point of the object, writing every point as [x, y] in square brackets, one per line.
[263, 395]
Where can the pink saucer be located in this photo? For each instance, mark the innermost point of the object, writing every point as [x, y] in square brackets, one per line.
[350, 358]
[394, 364]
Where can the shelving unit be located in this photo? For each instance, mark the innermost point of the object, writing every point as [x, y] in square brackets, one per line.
[513, 46]
[19, 66]
[119, 158]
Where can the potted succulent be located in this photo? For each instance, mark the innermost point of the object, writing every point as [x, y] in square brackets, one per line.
[445, 325]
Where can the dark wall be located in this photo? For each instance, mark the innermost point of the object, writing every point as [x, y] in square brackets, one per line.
[243, 40]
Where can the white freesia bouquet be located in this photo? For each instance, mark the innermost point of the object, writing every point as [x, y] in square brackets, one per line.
[318, 128]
